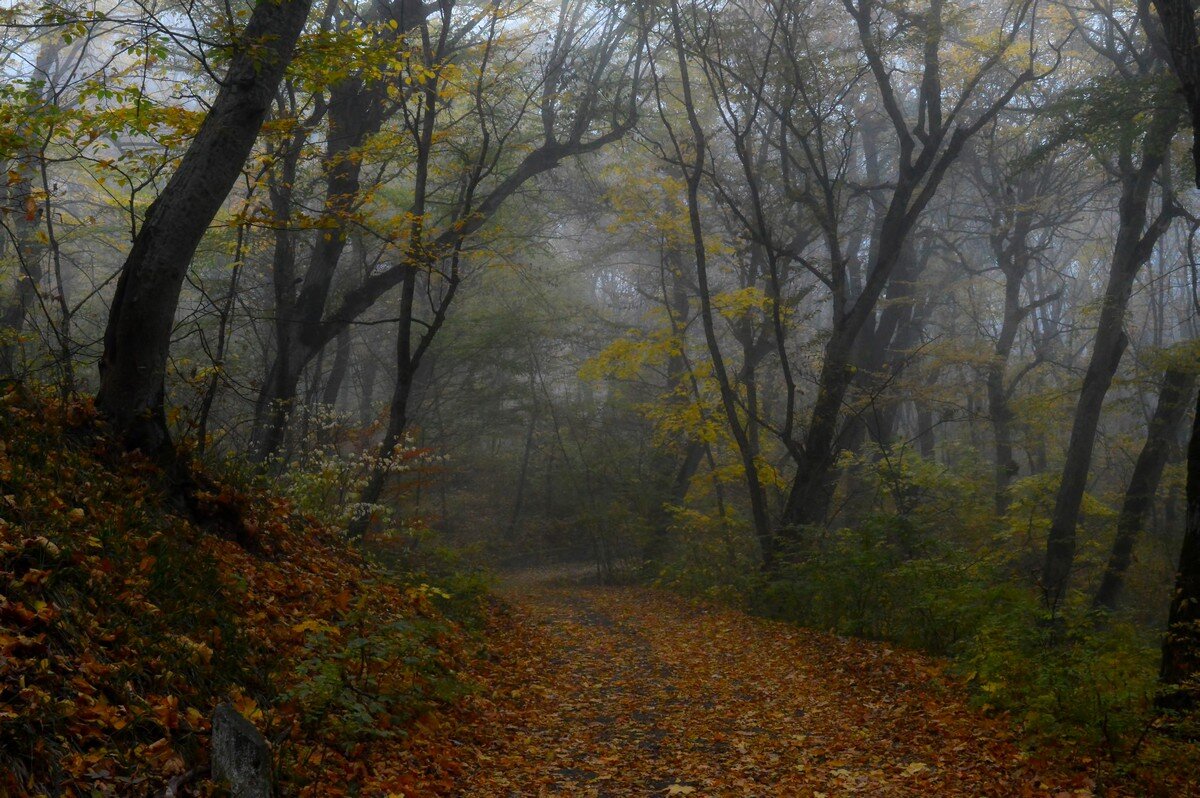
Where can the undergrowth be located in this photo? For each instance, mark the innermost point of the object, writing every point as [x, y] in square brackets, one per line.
[933, 574]
[124, 622]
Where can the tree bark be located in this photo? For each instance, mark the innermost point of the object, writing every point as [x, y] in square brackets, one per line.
[1181, 645]
[1134, 245]
[366, 395]
[27, 215]
[693, 174]
[338, 371]
[137, 338]
[1178, 18]
[1174, 396]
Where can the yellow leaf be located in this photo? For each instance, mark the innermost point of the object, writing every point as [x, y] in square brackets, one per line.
[313, 625]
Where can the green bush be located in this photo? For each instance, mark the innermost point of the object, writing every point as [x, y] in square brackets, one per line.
[365, 677]
[1079, 675]
[892, 578]
[888, 579]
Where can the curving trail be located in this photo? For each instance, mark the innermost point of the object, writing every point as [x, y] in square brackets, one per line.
[619, 691]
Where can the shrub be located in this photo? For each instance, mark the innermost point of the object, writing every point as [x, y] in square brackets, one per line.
[1077, 675]
[889, 578]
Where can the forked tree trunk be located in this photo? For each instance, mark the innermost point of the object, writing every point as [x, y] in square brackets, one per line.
[138, 335]
[357, 110]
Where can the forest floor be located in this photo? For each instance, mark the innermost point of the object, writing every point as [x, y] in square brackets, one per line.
[623, 691]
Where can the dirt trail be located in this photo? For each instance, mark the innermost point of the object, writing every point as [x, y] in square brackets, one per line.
[602, 691]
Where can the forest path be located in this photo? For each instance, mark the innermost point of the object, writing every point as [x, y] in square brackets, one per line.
[628, 691]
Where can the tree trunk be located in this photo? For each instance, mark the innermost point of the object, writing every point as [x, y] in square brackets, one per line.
[337, 373]
[406, 366]
[999, 410]
[693, 174]
[26, 214]
[1178, 18]
[927, 150]
[926, 440]
[137, 338]
[813, 483]
[523, 473]
[370, 369]
[1134, 245]
[357, 110]
[883, 347]
[218, 365]
[1174, 396]
[1181, 645]
[28, 252]
[277, 395]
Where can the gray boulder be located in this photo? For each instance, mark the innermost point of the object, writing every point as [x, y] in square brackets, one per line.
[240, 754]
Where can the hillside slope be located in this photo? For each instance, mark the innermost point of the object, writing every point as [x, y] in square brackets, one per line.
[125, 619]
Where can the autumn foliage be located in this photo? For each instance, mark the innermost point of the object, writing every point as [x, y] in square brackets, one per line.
[126, 617]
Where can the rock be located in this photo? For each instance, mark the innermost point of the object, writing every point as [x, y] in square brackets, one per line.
[240, 754]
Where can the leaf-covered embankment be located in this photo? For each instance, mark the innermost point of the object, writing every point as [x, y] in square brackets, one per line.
[124, 620]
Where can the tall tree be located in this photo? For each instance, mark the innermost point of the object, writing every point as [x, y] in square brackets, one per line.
[1026, 205]
[594, 58]
[138, 335]
[355, 108]
[1181, 40]
[928, 145]
[1141, 155]
[1181, 644]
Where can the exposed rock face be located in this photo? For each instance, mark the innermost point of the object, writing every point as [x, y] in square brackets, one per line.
[240, 754]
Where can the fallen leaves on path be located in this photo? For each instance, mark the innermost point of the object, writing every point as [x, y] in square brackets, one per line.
[630, 691]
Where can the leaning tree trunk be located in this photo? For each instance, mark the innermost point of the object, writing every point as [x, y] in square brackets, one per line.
[138, 335]
[1134, 245]
[1181, 645]
[1173, 401]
